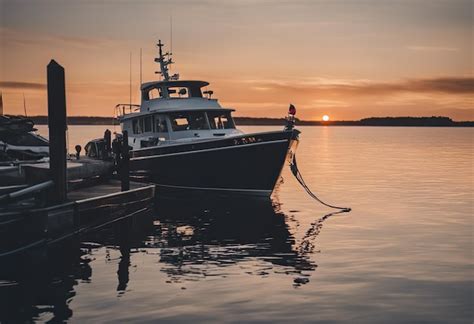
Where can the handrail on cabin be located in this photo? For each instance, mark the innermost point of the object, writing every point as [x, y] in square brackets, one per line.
[124, 109]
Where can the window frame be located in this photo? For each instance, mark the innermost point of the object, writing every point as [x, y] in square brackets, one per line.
[151, 128]
[164, 119]
[137, 126]
[219, 114]
[172, 118]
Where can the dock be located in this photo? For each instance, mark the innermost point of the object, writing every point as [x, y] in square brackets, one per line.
[44, 203]
[86, 209]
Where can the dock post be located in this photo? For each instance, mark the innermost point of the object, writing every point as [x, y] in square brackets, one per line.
[108, 143]
[57, 125]
[125, 163]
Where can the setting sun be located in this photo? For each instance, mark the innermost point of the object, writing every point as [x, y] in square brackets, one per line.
[325, 118]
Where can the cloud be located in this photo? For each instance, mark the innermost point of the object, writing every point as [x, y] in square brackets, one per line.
[20, 37]
[433, 49]
[447, 85]
[450, 85]
[22, 85]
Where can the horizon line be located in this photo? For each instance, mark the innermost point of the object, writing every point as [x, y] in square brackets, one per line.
[276, 118]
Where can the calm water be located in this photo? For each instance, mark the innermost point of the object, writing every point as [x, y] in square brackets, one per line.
[403, 255]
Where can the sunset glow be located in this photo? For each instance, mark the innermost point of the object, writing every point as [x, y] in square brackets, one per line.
[325, 118]
[406, 57]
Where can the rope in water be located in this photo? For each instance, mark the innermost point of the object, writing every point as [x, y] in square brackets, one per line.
[299, 177]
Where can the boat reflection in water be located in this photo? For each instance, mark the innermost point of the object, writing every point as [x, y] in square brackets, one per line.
[197, 238]
[41, 283]
[192, 239]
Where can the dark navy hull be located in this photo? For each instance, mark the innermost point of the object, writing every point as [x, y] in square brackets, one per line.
[246, 164]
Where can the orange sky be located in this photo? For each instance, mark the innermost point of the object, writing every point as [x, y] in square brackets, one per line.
[347, 59]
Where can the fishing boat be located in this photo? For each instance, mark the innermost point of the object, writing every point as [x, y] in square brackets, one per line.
[181, 138]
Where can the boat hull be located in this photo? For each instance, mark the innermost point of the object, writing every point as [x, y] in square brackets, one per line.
[247, 164]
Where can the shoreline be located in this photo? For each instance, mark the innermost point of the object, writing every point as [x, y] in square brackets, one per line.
[252, 121]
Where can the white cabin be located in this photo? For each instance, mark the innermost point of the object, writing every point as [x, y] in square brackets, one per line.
[174, 111]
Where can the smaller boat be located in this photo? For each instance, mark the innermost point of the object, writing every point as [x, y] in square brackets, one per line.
[19, 140]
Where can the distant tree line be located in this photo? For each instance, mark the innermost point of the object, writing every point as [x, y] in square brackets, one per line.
[78, 120]
[437, 121]
[434, 121]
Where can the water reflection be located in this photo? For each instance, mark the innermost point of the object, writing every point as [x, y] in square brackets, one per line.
[307, 244]
[42, 282]
[192, 240]
[201, 238]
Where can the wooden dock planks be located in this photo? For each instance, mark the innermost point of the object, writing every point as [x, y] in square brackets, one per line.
[86, 209]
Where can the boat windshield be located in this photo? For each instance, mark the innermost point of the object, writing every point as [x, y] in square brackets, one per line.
[220, 120]
[181, 121]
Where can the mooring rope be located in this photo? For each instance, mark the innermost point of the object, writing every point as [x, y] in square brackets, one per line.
[299, 177]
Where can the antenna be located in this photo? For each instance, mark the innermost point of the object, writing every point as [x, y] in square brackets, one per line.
[141, 66]
[130, 80]
[171, 34]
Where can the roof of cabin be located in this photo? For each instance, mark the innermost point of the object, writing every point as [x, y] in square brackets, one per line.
[167, 111]
[174, 83]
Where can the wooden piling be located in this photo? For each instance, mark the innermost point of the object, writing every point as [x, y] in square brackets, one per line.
[57, 125]
[125, 163]
[108, 143]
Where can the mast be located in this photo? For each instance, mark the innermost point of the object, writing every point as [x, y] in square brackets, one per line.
[164, 70]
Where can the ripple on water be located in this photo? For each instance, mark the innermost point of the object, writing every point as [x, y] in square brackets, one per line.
[403, 255]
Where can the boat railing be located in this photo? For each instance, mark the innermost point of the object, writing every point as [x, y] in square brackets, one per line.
[125, 109]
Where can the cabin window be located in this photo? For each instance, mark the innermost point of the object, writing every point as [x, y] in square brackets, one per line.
[148, 124]
[178, 92]
[137, 127]
[220, 120]
[188, 121]
[154, 93]
[160, 124]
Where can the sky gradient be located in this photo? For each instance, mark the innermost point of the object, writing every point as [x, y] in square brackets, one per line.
[347, 59]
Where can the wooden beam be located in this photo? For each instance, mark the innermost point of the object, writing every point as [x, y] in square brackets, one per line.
[57, 125]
